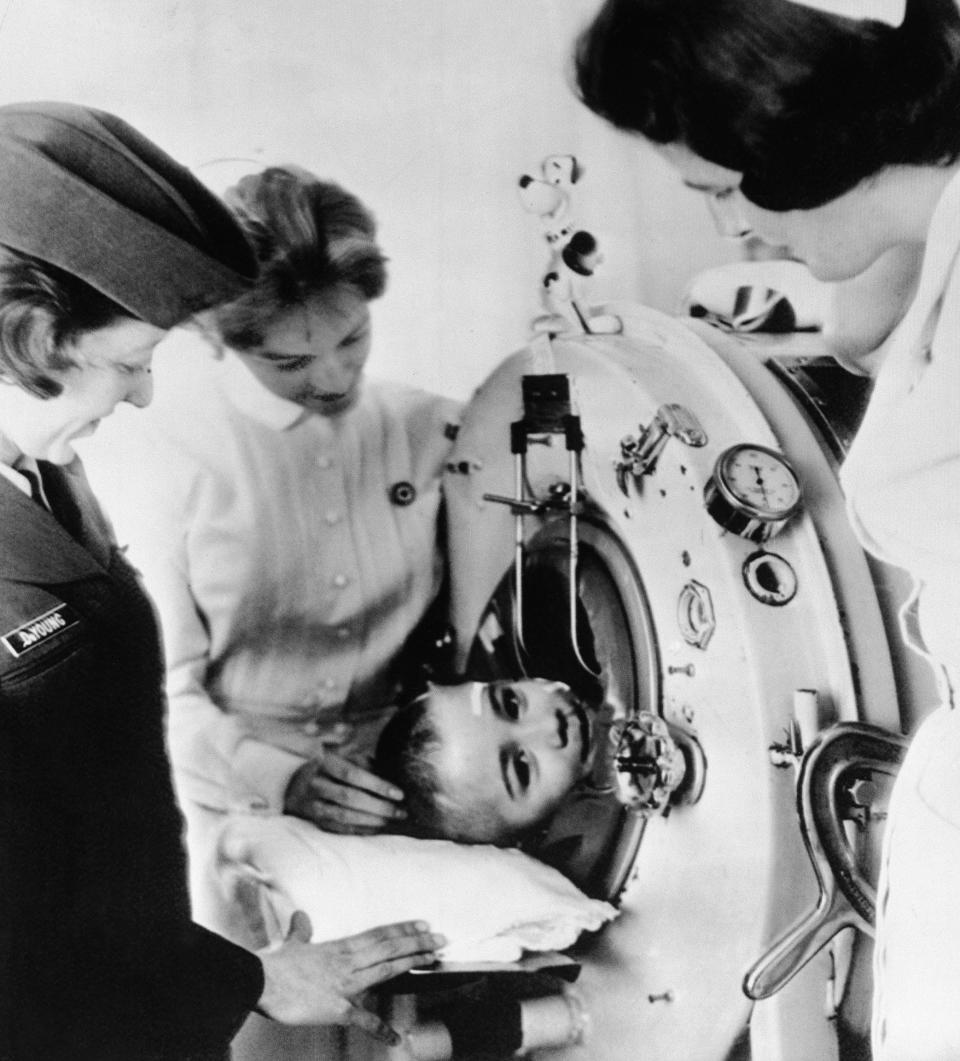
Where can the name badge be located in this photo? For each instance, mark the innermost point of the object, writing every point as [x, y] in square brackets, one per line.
[37, 631]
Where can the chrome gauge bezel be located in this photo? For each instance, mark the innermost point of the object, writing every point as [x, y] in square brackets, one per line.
[721, 475]
[739, 515]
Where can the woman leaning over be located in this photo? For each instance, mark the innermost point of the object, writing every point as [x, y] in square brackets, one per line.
[286, 526]
[105, 242]
[839, 137]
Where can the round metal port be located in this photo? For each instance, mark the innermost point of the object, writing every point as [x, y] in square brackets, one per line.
[770, 578]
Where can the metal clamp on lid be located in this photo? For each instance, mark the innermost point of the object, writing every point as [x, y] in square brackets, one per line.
[547, 411]
[654, 765]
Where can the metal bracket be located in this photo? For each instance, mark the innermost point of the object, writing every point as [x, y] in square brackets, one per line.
[655, 765]
[638, 456]
[547, 410]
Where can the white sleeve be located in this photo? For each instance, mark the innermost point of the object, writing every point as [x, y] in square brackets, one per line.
[148, 496]
[216, 762]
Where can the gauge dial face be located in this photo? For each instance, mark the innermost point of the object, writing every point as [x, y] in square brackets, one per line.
[758, 481]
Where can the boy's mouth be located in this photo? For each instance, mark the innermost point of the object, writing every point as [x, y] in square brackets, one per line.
[583, 721]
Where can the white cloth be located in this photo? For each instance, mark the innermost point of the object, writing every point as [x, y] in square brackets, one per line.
[286, 576]
[892, 12]
[11, 459]
[901, 477]
[902, 480]
[917, 950]
[492, 904]
[20, 481]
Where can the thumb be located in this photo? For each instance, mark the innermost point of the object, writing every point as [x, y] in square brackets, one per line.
[300, 927]
[373, 1025]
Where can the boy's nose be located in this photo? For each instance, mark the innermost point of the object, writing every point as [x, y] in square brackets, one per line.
[551, 729]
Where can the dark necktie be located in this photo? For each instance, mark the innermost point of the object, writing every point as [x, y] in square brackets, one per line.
[48, 487]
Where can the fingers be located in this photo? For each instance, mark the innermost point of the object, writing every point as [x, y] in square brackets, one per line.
[351, 806]
[364, 979]
[333, 823]
[337, 818]
[386, 943]
[341, 797]
[356, 777]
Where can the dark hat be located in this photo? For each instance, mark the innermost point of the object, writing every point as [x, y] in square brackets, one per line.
[82, 190]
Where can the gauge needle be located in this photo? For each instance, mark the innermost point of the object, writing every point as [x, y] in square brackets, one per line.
[760, 483]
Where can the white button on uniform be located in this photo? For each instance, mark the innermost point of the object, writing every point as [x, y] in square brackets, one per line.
[340, 580]
[343, 632]
[332, 518]
[311, 728]
[329, 683]
[323, 461]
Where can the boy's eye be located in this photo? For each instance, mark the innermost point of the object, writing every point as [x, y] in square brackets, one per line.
[521, 770]
[510, 700]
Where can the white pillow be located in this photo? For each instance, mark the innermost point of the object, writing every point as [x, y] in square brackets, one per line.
[492, 904]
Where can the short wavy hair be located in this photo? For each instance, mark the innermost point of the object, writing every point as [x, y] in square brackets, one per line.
[804, 104]
[43, 310]
[309, 236]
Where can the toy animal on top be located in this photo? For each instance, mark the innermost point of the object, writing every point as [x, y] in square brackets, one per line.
[574, 253]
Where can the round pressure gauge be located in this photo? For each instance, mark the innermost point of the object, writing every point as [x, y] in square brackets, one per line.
[753, 491]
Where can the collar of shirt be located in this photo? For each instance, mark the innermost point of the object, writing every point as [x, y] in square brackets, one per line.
[10, 456]
[252, 398]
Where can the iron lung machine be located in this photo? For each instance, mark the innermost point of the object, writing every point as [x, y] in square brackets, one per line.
[655, 517]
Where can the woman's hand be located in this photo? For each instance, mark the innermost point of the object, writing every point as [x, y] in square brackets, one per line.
[318, 983]
[341, 797]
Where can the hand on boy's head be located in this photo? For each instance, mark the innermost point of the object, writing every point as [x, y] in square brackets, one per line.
[341, 797]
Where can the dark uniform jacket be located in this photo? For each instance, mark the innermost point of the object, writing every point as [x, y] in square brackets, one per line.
[98, 956]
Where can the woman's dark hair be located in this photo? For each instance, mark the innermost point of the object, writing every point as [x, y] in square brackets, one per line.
[804, 104]
[309, 236]
[42, 310]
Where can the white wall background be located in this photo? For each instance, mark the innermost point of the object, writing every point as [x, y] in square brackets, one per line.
[428, 109]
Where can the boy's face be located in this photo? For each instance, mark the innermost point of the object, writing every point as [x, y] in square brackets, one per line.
[513, 748]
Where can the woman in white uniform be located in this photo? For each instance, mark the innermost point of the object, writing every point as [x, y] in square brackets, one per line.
[284, 513]
[833, 128]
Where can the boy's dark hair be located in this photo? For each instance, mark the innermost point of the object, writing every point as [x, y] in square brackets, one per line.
[403, 757]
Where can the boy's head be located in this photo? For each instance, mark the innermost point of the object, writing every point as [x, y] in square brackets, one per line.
[486, 762]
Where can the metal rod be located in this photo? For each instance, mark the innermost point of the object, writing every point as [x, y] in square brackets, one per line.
[519, 477]
[573, 500]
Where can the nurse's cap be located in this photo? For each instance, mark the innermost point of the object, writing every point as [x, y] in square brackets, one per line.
[82, 190]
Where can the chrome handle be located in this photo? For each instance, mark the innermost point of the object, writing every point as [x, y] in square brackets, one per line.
[831, 774]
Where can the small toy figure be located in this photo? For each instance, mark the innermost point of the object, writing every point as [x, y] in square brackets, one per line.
[574, 252]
